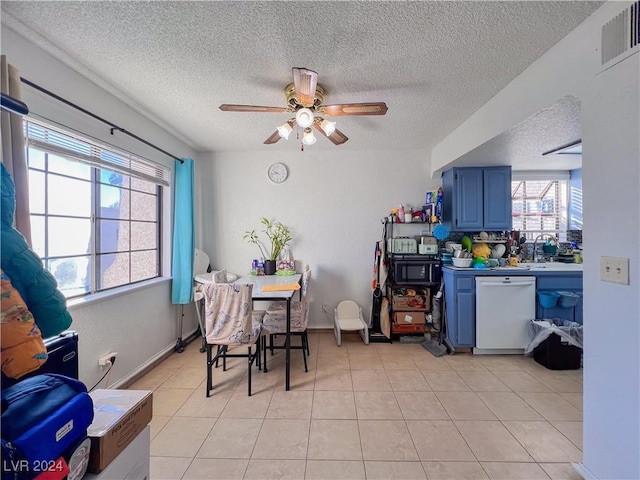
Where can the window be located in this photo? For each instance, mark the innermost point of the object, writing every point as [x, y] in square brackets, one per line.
[539, 206]
[95, 211]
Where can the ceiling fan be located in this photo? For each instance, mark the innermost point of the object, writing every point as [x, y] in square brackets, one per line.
[304, 99]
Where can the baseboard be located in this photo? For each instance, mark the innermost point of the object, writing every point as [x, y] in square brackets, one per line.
[321, 329]
[154, 361]
[328, 326]
[583, 471]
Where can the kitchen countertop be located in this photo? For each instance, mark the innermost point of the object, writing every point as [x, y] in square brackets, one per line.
[526, 267]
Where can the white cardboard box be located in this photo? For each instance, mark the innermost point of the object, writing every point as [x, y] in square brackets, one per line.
[133, 463]
[119, 416]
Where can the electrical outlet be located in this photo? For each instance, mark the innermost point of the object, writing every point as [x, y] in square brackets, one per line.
[614, 270]
[106, 359]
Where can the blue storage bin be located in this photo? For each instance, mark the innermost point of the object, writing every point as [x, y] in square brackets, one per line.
[568, 299]
[548, 299]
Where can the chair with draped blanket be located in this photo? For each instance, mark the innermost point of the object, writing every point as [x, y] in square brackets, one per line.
[231, 322]
[200, 266]
[275, 321]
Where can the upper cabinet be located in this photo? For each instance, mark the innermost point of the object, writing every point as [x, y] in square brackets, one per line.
[477, 198]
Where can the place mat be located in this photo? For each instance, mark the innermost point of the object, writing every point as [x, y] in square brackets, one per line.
[277, 288]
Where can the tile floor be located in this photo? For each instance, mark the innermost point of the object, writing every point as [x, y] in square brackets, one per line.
[366, 412]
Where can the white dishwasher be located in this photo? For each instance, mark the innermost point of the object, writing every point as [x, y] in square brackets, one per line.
[504, 307]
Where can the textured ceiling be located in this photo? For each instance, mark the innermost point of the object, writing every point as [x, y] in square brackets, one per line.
[433, 63]
[522, 145]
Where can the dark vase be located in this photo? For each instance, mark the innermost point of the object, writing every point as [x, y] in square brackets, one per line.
[269, 267]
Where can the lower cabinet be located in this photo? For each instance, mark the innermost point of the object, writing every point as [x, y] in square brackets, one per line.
[460, 299]
[561, 283]
[460, 306]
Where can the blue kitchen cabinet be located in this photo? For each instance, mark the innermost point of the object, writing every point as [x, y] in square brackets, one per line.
[561, 282]
[477, 198]
[459, 290]
[497, 198]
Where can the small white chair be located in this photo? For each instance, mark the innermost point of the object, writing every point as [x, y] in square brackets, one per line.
[348, 317]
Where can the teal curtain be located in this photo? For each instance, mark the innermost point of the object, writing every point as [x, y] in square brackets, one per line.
[183, 234]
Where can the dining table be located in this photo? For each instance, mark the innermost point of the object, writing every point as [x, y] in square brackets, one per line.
[277, 291]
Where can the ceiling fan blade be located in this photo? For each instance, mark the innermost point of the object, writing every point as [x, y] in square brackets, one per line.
[337, 137]
[342, 109]
[275, 136]
[225, 107]
[305, 82]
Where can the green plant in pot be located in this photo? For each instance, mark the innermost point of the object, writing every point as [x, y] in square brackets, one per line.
[279, 236]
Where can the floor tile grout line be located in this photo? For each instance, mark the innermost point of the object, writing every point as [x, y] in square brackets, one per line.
[195, 455]
[188, 466]
[563, 434]
[539, 412]
[508, 431]
[406, 425]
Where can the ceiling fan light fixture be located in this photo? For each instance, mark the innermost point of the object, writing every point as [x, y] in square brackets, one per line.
[328, 127]
[308, 138]
[285, 130]
[304, 117]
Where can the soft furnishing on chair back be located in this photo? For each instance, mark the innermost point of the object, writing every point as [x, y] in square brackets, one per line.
[228, 313]
[306, 280]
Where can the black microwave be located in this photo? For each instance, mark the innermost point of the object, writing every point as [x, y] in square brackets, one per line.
[416, 271]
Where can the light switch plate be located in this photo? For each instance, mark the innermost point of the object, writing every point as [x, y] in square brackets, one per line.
[614, 270]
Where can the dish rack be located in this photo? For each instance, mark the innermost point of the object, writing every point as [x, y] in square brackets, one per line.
[489, 240]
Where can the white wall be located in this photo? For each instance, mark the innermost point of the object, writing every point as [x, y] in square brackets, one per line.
[138, 325]
[611, 168]
[611, 177]
[333, 203]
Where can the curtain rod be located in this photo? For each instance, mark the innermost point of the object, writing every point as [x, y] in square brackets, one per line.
[91, 114]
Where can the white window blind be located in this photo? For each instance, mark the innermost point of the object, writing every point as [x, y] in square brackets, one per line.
[73, 147]
[539, 206]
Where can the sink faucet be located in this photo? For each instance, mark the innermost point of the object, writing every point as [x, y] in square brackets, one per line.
[535, 244]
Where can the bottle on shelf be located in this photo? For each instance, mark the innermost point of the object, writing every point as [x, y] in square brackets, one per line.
[408, 215]
[401, 213]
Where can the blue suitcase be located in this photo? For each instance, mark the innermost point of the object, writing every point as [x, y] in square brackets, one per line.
[43, 418]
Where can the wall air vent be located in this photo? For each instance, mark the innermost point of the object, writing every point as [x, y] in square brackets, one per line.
[620, 36]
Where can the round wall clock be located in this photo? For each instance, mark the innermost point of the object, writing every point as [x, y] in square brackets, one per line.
[278, 172]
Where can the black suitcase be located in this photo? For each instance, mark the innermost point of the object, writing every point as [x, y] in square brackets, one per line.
[63, 358]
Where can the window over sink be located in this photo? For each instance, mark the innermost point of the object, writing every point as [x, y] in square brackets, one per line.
[540, 205]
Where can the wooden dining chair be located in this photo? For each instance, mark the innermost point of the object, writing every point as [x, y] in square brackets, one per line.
[231, 321]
